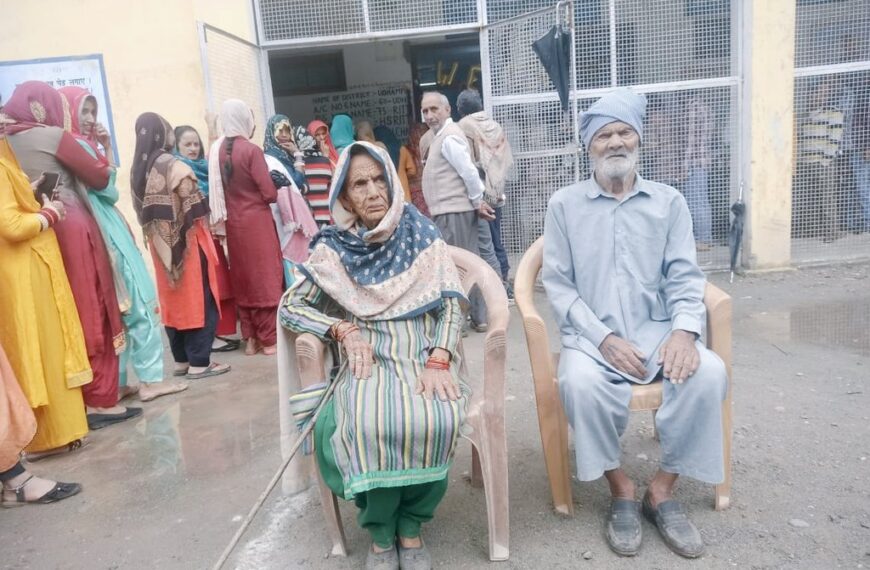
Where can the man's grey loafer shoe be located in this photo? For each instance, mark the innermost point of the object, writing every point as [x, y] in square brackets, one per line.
[674, 525]
[624, 533]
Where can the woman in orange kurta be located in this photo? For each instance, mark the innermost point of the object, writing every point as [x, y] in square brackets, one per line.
[411, 168]
[173, 214]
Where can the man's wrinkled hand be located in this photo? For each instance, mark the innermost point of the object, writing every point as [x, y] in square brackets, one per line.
[359, 355]
[679, 356]
[623, 355]
[440, 382]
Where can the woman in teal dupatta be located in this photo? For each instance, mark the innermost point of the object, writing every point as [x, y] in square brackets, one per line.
[190, 150]
[139, 307]
[342, 132]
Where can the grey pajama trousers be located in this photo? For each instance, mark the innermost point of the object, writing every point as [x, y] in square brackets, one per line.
[462, 230]
[689, 422]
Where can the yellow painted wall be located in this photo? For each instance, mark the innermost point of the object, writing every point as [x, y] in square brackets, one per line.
[769, 43]
[150, 51]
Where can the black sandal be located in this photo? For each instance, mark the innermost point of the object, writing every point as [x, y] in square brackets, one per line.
[230, 344]
[99, 421]
[59, 492]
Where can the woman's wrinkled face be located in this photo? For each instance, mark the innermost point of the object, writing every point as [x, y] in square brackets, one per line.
[88, 116]
[365, 190]
[189, 145]
[321, 134]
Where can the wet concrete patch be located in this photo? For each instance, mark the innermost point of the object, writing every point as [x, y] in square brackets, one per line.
[840, 325]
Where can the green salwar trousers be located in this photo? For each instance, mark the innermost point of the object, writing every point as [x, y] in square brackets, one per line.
[384, 512]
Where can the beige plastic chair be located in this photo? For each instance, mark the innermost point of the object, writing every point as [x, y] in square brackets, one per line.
[485, 426]
[551, 416]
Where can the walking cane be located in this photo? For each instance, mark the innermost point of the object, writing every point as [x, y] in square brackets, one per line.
[277, 477]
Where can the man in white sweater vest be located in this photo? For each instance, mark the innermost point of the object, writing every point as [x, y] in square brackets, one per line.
[452, 186]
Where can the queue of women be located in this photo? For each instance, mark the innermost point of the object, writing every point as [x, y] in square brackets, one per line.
[228, 226]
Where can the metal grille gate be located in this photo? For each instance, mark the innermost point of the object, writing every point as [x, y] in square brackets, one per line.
[544, 138]
[831, 202]
[679, 54]
[235, 69]
[292, 22]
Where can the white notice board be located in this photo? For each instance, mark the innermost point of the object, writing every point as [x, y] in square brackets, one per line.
[85, 71]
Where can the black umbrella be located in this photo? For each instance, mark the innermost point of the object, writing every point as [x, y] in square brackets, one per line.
[735, 234]
[554, 51]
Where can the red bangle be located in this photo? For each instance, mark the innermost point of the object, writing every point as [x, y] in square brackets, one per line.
[341, 329]
[50, 215]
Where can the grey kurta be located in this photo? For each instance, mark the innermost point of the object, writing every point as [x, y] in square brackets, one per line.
[629, 268]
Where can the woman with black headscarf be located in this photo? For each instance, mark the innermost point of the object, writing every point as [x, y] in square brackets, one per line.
[173, 214]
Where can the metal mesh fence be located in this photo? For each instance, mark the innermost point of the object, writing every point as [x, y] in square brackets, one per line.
[831, 32]
[234, 73]
[536, 178]
[689, 143]
[287, 20]
[677, 52]
[398, 14]
[831, 181]
[294, 19]
[515, 69]
[524, 102]
[535, 128]
[682, 54]
[658, 42]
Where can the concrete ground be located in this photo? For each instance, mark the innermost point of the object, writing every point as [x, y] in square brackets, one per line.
[169, 489]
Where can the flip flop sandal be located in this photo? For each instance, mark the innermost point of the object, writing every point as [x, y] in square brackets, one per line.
[211, 370]
[59, 492]
[179, 373]
[99, 421]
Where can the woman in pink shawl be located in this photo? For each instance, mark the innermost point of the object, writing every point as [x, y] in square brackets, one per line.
[320, 131]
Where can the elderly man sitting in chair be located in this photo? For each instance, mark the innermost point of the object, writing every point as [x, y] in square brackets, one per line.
[621, 275]
[381, 284]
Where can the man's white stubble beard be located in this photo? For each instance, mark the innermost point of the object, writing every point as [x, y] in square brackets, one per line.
[618, 168]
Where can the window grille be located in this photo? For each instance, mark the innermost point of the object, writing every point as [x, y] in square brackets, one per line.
[678, 52]
[831, 181]
[294, 19]
[289, 21]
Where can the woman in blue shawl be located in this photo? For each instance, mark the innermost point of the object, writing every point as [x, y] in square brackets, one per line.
[280, 143]
[382, 285]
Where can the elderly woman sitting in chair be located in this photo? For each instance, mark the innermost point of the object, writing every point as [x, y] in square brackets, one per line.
[382, 285]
